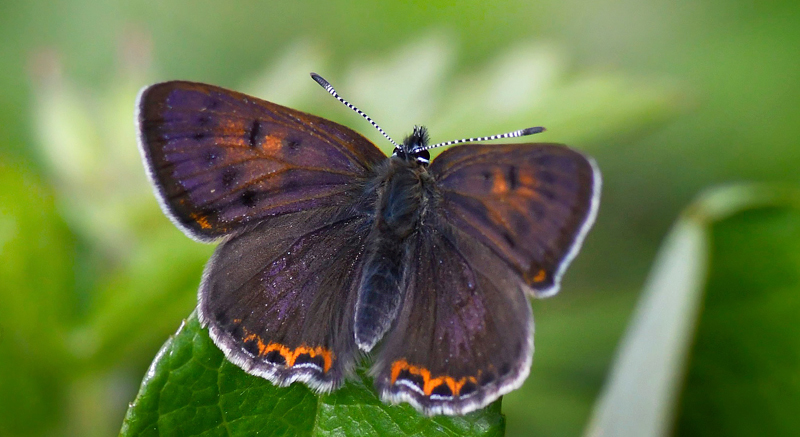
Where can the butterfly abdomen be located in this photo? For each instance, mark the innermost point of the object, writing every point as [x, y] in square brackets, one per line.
[396, 218]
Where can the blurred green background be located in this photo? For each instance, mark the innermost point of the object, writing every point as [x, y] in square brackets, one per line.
[669, 97]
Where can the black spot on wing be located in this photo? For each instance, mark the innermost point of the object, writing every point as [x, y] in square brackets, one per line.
[292, 145]
[442, 390]
[249, 198]
[252, 347]
[512, 177]
[467, 388]
[254, 136]
[275, 357]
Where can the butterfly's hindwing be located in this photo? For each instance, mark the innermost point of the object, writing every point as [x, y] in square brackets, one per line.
[464, 334]
[532, 204]
[279, 299]
[220, 159]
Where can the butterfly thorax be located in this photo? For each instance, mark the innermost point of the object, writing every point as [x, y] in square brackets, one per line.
[399, 199]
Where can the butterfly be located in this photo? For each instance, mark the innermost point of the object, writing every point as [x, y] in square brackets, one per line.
[330, 250]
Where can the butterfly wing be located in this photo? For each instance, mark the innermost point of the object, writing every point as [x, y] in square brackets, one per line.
[532, 204]
[286, 191]
[502, 220]
[464, 334]
[221, 159]
[279, 298]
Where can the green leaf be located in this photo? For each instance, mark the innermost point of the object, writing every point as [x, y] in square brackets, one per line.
[743, 377]
[714, 348]
[191, 389]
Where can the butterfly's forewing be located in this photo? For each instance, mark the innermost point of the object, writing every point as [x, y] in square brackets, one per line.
[220, 159]
[464, 335]
[532, 204]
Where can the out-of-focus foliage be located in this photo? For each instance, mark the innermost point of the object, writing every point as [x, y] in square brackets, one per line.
[743, 378]
[704, 354]
[669, 98]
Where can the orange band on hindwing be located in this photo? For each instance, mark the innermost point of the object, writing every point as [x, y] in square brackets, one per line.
[290, 355]
[429, 384]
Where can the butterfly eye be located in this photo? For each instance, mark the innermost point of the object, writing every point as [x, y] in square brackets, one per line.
[399, 152]
[422, 156]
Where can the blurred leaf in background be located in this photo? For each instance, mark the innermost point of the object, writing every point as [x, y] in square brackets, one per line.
[669, 98]
[38, 302]
[713, 347]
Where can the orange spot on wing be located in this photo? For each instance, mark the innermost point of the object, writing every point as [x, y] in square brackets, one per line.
[397, 367]
[429, 383]
[526, 179]
[261, 347]
[540, 276]
[499, 184]
[200, 220]
[290, 355]
[230, 129]
[273, 144]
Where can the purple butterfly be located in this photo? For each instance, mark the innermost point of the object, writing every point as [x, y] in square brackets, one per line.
[329, 249]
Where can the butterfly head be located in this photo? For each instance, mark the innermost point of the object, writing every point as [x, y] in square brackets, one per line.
[414, 147]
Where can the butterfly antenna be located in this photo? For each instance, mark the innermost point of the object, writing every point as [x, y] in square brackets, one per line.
[325, 84]
[516, 133]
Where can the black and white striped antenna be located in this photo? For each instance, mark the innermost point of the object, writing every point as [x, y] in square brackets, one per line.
[325, 84]
[516, 133]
